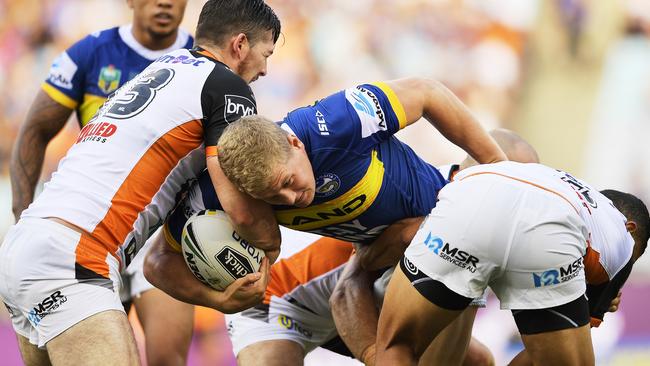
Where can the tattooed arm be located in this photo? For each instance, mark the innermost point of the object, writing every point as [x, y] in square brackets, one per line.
[45, 119]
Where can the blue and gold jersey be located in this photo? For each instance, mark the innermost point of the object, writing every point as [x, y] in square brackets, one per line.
[366, 178]
[84, 75]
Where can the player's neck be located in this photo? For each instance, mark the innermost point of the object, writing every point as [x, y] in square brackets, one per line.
[219, 55]
[151, 41]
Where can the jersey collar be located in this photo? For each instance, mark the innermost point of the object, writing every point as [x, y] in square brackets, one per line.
[126, 34]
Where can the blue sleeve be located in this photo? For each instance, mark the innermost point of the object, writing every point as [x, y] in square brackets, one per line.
[66, 80]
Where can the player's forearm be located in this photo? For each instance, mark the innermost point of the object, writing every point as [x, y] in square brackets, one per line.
[166, 269]
[355, 312]
[252, 219]
[389, 247]
[454, 121]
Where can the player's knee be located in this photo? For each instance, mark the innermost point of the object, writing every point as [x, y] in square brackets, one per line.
[479, 356]
[166, 356]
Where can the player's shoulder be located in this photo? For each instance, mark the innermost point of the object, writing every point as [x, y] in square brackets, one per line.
[98, 39]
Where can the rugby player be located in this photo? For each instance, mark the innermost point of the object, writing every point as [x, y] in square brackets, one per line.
[529, 232]
[357, 162]
[608, 263]
[60, 264]
[80, 80]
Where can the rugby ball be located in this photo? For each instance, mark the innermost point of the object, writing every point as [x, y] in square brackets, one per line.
[214, 252]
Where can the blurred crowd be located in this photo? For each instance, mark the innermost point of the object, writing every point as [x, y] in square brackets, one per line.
[481, 49]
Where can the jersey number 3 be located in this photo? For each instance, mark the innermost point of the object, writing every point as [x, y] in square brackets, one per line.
[139, 95]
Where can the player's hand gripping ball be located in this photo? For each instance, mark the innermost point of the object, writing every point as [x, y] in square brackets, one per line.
[214, 252]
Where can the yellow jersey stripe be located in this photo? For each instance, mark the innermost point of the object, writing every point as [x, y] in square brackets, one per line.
[89, 107]
[170, 239]
[394, 102]
[58, 96]
[342, 209]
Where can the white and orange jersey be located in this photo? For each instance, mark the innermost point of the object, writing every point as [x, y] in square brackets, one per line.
[309, 276]
[609, 244]
[120, 179]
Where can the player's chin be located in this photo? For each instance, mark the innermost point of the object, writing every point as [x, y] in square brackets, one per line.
[305, 200]
[160, 31]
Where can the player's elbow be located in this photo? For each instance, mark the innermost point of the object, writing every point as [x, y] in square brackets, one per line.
[424, 86]
[150, 268]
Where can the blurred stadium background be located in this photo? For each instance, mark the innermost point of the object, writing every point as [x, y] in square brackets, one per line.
[571, 76]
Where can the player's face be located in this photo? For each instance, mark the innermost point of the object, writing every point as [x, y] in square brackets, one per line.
[293, 182]
[253, 66]
[160, 18]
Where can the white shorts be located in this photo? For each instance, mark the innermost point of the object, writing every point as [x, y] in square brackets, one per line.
[524, 242]
[282, 320]
[39, 284]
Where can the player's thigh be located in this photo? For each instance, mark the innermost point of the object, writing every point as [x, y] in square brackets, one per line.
[105, 338]
[167, 325]
[562, 347]
[272, 353]
[31, 354]
[450, 347]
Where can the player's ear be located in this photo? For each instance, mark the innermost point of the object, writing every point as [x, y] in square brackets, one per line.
[630, 226]
[240, 46]
[294, 141]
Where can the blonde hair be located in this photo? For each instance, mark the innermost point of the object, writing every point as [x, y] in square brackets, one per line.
[249, 151]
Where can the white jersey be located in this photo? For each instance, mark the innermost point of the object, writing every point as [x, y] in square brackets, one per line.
[610, 245]
[120, 179]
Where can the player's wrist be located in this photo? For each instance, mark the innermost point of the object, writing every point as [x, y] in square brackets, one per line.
[368, 355]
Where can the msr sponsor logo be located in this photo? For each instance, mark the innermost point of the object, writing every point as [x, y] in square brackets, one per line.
[97, 131]
[459, 258]
[555, 276]
[291, 324]
[46, 307]
[236, 107]
[234, 263]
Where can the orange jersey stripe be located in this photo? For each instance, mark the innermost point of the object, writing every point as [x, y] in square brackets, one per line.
[318, 258]
[594, 271]
[526, 182]
[136, 192]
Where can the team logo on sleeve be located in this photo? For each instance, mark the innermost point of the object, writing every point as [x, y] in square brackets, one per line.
[236, 107]
[368, 108]
[62, 71]
[109, 79]
[327, 184]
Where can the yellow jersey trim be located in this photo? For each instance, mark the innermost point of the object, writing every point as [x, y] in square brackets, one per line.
[90, 105]
[398, 108]
[170, 239]
[347, 207]
[59, 96]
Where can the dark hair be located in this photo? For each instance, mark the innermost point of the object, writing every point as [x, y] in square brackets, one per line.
[634, 209]
[221, 19]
